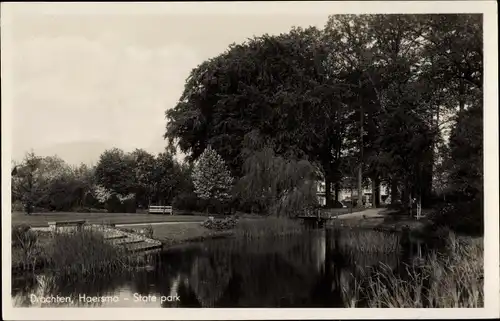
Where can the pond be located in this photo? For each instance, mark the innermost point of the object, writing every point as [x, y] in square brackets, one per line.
[313, 269]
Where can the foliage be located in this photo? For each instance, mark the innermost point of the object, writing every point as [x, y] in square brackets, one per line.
[168, 177]
[23, 236]
[465, 217]
[147, 231]
[466, 154]
[370, 87]
[211, 178]
[114, 172]
[28, 183]
[145, 176]
[278, 186]
[444, 281]
[25, 243]
[226, 223]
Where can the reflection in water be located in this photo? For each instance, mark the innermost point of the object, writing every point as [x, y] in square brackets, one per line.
[315, 269]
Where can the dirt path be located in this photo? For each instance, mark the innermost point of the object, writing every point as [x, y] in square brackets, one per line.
[367, 213]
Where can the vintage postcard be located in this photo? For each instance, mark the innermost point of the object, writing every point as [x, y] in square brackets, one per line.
[250, 160]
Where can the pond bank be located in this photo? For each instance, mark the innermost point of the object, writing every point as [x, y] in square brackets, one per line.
[173, 235]
[91, 250]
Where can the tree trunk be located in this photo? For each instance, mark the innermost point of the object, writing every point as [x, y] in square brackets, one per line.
[377, 192]
[337, 191]
[328, 192]
[360, 168]
[352, 202]
[360, 187]
[374, 193]
[425, 191]
[394, 191]
[406, 196]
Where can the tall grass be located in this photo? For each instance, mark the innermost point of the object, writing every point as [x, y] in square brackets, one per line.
[268, 227]
[84, 253]
[366, 241]
[450, 279]
[87, 253]
[27, 252]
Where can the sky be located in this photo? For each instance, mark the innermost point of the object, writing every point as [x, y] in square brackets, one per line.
[85, 83]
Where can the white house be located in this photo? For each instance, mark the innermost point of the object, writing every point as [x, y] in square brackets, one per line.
[346, 194]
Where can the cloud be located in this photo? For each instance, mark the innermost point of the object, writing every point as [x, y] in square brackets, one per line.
[75, 89]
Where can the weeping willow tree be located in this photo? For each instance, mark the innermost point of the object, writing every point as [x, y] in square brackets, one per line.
[280, 185]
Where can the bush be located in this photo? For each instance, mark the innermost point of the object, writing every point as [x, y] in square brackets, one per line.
[147, 231]
[23, 236]
[114, 205]
[17, 207]
[220, 224]
[187, 202]
[90, 210]
[464, 217]
[26, 251]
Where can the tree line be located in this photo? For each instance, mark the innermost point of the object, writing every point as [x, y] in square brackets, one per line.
[368, 98]
[119, 182]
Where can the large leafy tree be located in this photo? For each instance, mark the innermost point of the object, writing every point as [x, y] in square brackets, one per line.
[466, 154]
[274, 84]
[405, 71]
[167, 177]
[378, 88]
[254, 85]
[28, 183]
[277, 185]
[144, 172]
[115, 172]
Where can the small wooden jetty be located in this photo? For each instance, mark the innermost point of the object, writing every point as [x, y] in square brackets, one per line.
[133, 242]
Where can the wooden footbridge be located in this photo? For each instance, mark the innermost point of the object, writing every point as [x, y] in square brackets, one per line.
[315, 219]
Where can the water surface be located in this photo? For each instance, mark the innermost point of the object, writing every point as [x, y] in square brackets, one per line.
[314, 269]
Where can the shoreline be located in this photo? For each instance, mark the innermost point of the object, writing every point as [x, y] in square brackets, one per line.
[173, 236]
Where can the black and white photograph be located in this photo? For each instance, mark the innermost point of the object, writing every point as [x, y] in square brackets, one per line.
[230, 157]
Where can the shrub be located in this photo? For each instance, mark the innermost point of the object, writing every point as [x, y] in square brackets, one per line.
[25, 246]
[147, 231]
[90, 210]
[21, 233]
[17, 207]
[220, 224]
[187, 202]
[463, 217]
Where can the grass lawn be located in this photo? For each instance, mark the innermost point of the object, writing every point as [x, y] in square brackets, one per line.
[386, 223]
[175, 234]
[42, 219]
[340, 211]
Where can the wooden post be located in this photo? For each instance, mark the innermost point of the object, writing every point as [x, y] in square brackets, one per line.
[419, 207]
